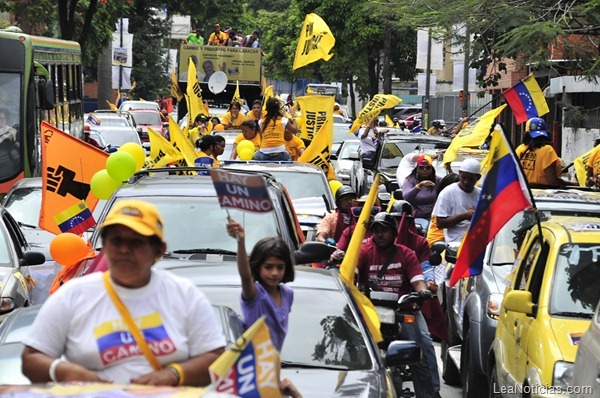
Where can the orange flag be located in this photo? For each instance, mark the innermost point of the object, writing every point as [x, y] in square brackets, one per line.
[68, 165]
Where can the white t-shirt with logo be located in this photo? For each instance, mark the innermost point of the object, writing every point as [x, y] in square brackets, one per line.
[80, 321]
[452, 201]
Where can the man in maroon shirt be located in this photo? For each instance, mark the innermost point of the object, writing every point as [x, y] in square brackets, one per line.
[402, 276]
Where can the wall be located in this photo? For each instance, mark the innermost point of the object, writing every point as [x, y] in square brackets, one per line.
[576, 142]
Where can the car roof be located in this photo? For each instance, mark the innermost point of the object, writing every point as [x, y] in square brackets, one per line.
[267, 166]
[29, 182]
[164, 184]
[569, 228]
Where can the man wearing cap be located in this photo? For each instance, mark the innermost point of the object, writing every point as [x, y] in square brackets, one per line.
[401, 274]
[333, 224]
[81, 332]
[217, 38]
[456, 203]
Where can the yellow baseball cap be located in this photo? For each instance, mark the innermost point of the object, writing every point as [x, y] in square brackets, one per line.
[138, 215]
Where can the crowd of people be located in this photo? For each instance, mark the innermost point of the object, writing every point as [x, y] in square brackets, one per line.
[228, 37]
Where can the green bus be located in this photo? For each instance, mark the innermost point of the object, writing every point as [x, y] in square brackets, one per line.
[41, 78]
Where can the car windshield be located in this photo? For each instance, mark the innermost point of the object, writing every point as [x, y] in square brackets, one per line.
[340, 132]
[120, 136]
[575, 286]
[4, 249]
[323, 331]
[24, 205]
[19, 327]
[146, 118]
[391, 156]
[112, 121]
[301, 185]
[199, 223]
[348, 148]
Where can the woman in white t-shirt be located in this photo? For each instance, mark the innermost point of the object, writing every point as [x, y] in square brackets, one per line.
[81, 335]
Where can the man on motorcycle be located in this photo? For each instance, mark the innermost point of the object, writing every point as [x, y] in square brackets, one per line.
[384, 265]
[334, 223]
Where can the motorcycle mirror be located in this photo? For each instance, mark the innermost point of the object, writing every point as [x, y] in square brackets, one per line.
[397, 194]
[438, 247]
[435, 258]
[313, 252]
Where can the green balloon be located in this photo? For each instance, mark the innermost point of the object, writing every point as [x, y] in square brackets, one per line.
[120, 165]
[103, 185]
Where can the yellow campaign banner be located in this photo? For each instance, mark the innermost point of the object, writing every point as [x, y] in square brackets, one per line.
[239, 63]
[315, 42]
[580, 165]
[473, 135]
[175, 89]
[317, 110]
[373, 108]
[319, 150]
[236, 95]
[68, 165]
[268, 94]
[112, 106]
[182, 143]
[161, 151]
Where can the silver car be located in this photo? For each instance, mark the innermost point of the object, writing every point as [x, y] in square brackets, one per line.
[586, 371]
[347, 165]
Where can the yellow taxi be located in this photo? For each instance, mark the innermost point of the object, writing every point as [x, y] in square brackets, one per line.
[548, 304]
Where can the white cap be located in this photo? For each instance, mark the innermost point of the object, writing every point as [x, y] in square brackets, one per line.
[470, 165]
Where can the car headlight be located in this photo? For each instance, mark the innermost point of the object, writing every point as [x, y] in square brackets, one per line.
[493, 305]
[386, 315]
[563, 375]
[6, 304]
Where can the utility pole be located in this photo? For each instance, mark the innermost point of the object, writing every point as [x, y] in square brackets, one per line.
[465, 101]
[427, 82]
[121, 64]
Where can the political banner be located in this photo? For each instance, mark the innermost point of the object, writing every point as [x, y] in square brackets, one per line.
[239, 63]
[373, 108]
[315, 42]
[317, 110]
[241, 191]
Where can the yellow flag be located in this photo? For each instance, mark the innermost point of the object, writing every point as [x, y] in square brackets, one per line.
[309, 90]
[373, 108]
[161, 151]
[319, 150]
[580, 164]
[118, 100]
[317, 110]
[236, 95]
[194, 95]
[348, 267]
[389, 121]
[472, 135]
[181, 143]
[254, 350]
[268, 94]
[175, 90]
[315, 42]
[132, 87]
[112, 106]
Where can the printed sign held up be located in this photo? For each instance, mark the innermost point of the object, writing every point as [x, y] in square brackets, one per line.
[241, 191]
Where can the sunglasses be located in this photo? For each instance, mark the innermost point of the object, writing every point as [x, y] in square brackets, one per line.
[425, 167]
[357, 209]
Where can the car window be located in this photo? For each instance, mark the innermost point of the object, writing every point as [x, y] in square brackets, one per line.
[24, 205]
[199, 223]
[576, 277]
[120, 137]
[348, 148]
[4, 249]
[524, 272]
[147, 118]
[113, 122]
[391, 155]
[322, 330]
[301, 185]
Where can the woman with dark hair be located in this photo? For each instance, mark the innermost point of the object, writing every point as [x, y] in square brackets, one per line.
[208, 147]
[540, 163]
[419, 188]
[275, 130]
[250, 133]
[233, 118]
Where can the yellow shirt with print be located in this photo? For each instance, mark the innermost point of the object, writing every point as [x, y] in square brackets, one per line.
[272, 133]
[235, 123]
[250, 115]
[536, 161]
[293, 146]
[217, 39]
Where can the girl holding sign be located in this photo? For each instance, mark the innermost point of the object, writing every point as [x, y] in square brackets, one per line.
[264, 275]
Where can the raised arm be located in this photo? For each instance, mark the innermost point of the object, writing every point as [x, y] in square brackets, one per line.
[235, 230]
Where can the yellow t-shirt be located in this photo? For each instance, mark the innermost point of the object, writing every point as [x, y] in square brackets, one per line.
[594, 162]
[202, 154]
[255, 140]
[235, 123]
[272, 134]
[434, 234]
[293, 147]
[250, 115]
[535, 162]
[217, 39]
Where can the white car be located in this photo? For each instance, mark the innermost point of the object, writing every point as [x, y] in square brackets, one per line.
[129, 105]
[347, 165]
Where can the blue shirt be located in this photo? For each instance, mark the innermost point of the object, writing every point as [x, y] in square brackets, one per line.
[276, 316]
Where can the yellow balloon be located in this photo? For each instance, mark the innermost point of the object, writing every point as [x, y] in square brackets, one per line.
[246, 154]
[245, 144]
[137, 151]
[335, 185]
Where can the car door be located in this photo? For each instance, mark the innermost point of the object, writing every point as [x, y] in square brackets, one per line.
[511, 331]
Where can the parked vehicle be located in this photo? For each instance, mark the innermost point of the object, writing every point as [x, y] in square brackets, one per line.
[145, 118]
[546, 308]
[472, 306]
[586, 382]
[347, 165]
[137, 105]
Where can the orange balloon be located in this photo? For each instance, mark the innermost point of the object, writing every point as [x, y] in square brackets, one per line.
[68, 249]
[219, 127]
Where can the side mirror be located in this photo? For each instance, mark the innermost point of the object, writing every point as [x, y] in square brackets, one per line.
[518, 301]
[398, 194]
[46, 95]
[435, 258]
[368, 164]
[313, 252]
[353, 156]
[333, 156]
[33, 258]
[402, 352]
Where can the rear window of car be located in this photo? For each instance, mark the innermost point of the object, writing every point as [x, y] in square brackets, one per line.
[146, 118]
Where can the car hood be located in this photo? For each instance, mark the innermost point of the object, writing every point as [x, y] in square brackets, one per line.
[10, 363]
[330, 383]
[4, 272]
[568, 332]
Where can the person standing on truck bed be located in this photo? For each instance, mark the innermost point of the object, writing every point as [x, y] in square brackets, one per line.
[217, 38]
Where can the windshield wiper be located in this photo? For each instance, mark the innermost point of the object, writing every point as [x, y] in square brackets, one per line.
[22, 224]
[289, 364]
[587, 315]
[211, 251]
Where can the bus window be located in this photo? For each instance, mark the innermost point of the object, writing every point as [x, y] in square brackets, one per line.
[10, 134]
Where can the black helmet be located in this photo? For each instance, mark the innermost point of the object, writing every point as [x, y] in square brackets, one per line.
[386, 220]
[344, 190]
[400, 207]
